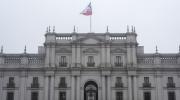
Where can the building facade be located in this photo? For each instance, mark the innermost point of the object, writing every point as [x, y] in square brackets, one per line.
[90, 66]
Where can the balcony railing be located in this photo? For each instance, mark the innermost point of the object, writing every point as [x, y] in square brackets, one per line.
[118, 85]
[118, 64]
[90, 64]
[171, 85]
[11, 85]
[62, 85]
[63, 64]
[35, 85]
[146, 85]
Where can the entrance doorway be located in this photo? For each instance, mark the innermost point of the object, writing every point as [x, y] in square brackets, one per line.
[90, 91]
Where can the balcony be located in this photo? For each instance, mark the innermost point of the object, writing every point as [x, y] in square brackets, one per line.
[63, 64]
[146, 85]
[171, 85]
[35, 85]
[90, 64]
[62, 85]
[118, 64]
[10, 85]
[118, 85]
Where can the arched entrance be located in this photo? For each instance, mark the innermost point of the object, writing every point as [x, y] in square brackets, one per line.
[90, 91]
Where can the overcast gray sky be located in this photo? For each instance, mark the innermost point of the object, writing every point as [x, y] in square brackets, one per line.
[24, 22]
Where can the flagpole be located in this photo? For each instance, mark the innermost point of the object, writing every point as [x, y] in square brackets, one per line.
[90, 24]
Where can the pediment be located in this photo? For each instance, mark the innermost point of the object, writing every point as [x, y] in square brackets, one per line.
[63, 50]
[118, 50]
[90, 50]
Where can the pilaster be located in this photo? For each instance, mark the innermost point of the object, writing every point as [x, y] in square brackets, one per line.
[78, 56]
[78, 88]
[129, 87]
[73, 88]
[135, 87]
[73, 55]
[47, 62]
[159, 88]
[1, 85]
[23, 86]
[103, 56]
[52, 88]
[129, 55]
[178, 59]
[1, 59]
[104, 95]
[109, 92]
[46, 92]
[108, 55]
[134, 56]
[53, 56]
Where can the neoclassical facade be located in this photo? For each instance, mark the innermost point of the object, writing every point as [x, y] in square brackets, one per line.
[90, 66]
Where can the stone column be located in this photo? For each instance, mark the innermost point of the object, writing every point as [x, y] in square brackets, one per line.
[72, 88]
[52, 88]
[46, 86]
[135, 87]
[22, 86]
[129, 88]
[78, 89]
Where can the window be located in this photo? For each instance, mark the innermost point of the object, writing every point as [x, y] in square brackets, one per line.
[146, 83]
[90, 59]
[35, 80]
[62, 82]
[63, 61]
[171, 96]
[147, 96]
[118, 82]
[10, 96]
[62, 95]
[119, 79]
[34, 96]
[90, 62]
[146, 79]
[118, 61]
[35, 83]
[119, 96]
[11, 83]
[170, 80]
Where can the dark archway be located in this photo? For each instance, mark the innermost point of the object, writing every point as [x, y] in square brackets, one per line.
[90, 91]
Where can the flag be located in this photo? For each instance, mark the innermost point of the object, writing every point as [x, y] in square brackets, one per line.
[87, 11]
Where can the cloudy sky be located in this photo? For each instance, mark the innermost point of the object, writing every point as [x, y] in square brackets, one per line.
[24, 22]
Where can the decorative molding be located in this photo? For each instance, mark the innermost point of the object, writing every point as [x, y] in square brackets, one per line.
[90, 50]
[118, 50]
[63, 50]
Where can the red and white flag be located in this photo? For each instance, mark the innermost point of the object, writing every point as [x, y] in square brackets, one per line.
[87, 11]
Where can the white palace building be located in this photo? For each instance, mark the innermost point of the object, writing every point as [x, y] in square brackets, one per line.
[90, 66]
